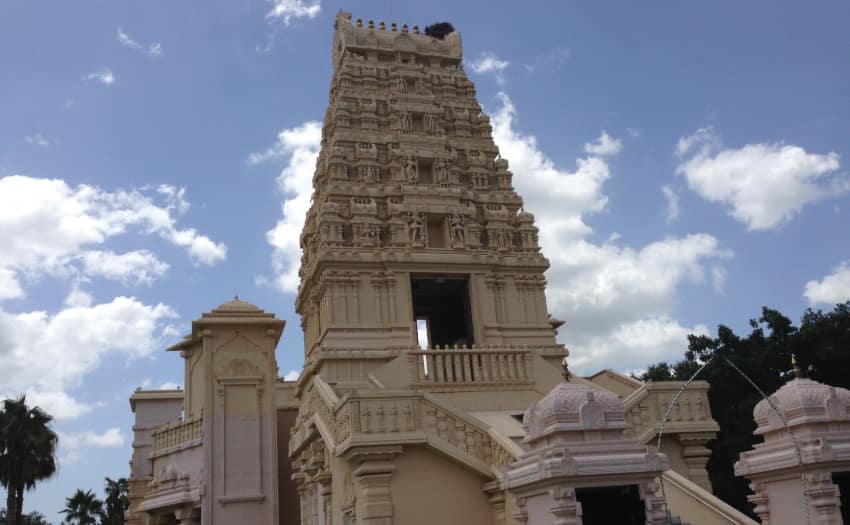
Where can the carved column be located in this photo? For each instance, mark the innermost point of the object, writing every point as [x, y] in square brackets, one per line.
[373, 471]
[188, 516]
[696, 455]
[565, 507]
[520, 513]
[824, 499]
[497, 501]
[760, 501]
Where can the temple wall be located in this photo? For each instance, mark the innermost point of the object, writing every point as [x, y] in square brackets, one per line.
[426, 489]
[286, 488]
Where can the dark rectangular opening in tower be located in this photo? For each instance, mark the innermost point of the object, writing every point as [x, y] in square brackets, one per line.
[606, 505]
[443, 303]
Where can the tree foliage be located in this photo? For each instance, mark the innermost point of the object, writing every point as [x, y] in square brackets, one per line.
[117, 501]
[821, 345]
[83, 508]
[439, 30]
[31, 518]
[27, 452]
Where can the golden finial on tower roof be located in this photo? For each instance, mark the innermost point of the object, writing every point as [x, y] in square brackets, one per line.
[795, 367]
[382, 26]
[359, 22]
[393, 27]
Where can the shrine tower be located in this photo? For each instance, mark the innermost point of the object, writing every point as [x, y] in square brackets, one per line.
[415, 238]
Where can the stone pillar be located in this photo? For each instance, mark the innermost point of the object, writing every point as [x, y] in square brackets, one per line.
[824, 499]
[565, 508]
[696, 455]
[188, 516]
[497, 501]
[373, 471]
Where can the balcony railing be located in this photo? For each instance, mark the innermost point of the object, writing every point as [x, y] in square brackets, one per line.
[459, 366]
[177, 435]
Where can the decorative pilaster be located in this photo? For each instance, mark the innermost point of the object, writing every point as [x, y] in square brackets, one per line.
[188, 516]
[497, 501]
[565, 508]
[824, 499]
[760, 501]
[373, 472]
[696, 455]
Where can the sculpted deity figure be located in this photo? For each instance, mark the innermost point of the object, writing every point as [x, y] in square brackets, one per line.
[430, 123]
[442, 173]
[406, 122]
[422, 87]
[416, 228]
[402, 85]
[456, 231]
[411, 172]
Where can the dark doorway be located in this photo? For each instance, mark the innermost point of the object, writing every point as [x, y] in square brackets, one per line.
[607, 505]
[842, 481]
[443, 303]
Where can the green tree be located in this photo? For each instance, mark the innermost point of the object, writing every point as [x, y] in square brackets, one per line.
[117, 501]
[821, 345]
[83, 508]
[32, 518]
[27, 452]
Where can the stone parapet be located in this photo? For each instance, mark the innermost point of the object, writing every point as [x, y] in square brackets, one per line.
[177, 435]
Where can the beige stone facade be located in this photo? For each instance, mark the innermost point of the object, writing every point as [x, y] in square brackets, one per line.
[415, 235]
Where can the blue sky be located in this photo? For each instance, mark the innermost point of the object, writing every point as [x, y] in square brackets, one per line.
[687, 164]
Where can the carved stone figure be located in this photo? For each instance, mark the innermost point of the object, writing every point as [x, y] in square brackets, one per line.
[411, 171]
[402, 85]
[456, 231]
[406, 122]
[416, 228]
[441, 173]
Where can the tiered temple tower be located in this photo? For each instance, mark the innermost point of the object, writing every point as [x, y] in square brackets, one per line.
[415, 233]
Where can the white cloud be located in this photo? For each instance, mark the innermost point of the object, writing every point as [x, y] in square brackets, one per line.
[832, 289]
[286, 10]
[169, 385]
[47, 227]
[10, 288]
[292, 375]
[763, 185]
[135, 267]
[553, 59]
[672, 199]
[103, 76]
[488, 62]
[604, 146]
[301, 146]
[36, 140]
[46, 355]
[153, 50]
[618, 301]
[72, 443]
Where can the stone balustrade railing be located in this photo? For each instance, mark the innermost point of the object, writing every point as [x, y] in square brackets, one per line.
[177, 435]
[378, 419]
[462, 366]
[646, 407]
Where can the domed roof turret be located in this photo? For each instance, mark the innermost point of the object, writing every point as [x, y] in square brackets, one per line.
[802, 401]
[574, 407]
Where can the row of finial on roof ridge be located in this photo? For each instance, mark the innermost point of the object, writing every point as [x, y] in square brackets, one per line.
[383, 27]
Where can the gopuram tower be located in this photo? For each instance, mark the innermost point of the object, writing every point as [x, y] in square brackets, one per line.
[422, 294]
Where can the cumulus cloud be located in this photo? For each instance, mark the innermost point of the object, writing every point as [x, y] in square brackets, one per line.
[619, 301]
[71, 444]
[135, 267]
[32, 344]
[488, 62]
[300, 146]
[292, 375]
[50, 227]
[104, 76]
[832, 289]
[169, 385]
[36, 140]
[672, 199]
[286, 10]
[605, 145]
[152, 50]
[762, 185]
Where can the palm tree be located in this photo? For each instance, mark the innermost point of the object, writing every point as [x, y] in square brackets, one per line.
[27, 452]
[117, 501]
[83, 508]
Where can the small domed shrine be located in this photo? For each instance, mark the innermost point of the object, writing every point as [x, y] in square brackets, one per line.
[809, 422]
[579, 464]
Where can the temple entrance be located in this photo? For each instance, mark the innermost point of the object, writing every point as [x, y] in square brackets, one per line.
[441, 305]
[606, 505]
